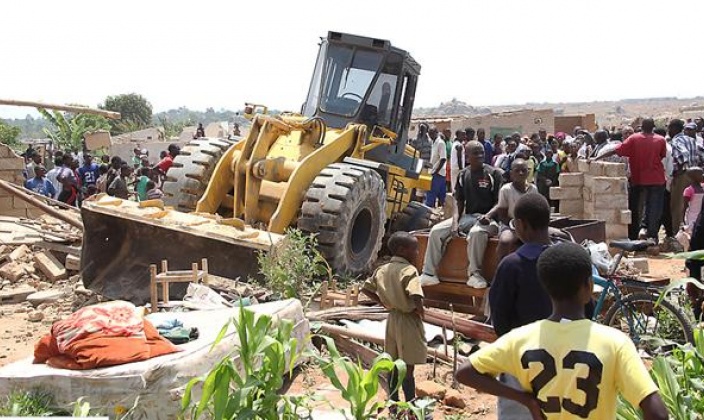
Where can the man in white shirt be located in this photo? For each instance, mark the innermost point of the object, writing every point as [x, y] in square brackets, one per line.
[457, 158]
[438, 169]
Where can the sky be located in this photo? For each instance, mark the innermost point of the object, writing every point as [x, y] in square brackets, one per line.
[220, 54]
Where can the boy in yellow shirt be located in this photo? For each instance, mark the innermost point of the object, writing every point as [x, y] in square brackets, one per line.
[396, 286]
[569, 367]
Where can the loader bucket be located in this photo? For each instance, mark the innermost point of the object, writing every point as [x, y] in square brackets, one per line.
[121, 240]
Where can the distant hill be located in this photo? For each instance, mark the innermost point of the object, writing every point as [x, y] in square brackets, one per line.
[608, 113]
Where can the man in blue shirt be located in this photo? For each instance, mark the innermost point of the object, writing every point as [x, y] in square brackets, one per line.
[39, 184]
[488, 147]
[89, 172]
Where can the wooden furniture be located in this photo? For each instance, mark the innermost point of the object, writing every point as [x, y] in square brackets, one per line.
[166, 277]
[329, 295]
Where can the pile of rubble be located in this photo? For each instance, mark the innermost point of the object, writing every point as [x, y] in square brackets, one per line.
[39, 264]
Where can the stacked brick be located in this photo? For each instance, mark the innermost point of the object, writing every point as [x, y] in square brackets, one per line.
[11, 167]
[599, 191]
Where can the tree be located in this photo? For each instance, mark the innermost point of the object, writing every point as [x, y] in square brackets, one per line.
[67, 130]
[9, 134]
[136, 112]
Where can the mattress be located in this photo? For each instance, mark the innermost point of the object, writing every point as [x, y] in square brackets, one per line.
[155, 386]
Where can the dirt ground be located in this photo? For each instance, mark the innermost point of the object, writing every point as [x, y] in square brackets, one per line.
[19, 335]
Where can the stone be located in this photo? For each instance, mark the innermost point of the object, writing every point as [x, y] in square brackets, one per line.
[616, 231]
[571, 179]
[611, 201]
[20, 253]
[596, 169]
[4, 249]
[608, 185]
[430, 389]
[50, 266]
[614, 169]
[12, 271]
[73, 263]
[453, 398]
[565, 193]
[625, 217]
[45, 296]
[16, 294]
[35, 316]
[572, 208]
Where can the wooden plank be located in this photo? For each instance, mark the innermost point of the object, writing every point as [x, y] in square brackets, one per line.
[354, 349]
[464, 298]
[466, 327]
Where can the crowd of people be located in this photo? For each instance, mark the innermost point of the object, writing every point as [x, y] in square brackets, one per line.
[664, 167]
[72, 177]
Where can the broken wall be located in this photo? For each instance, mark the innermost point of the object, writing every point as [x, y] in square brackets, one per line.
[11, 167]
[567, 123]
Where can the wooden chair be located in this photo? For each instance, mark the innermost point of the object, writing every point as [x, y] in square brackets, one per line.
[329, 295]
[166, 277]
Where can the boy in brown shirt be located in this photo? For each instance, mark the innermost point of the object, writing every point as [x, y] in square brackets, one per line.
[396, 286]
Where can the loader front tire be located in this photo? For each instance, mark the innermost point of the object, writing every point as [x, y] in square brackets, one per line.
[345, 208]
[187, 179]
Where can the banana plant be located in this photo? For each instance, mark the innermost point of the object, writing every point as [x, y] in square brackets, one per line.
[67, 130]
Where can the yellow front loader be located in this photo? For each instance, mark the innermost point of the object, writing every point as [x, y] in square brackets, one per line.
[340, 169]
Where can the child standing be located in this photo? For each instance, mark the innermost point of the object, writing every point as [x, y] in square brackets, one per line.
[396, 286]
[567, 366]
[548, 172]
[693, 197]
[153, 192]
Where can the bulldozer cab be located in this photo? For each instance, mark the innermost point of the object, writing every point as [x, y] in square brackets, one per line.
[365, 80]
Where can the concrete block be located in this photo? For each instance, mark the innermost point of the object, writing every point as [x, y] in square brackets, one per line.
[50, 266]
[6, 203]
[9, 175]
[614, 169]
[572, 207]
[641, 264]
[14, 213]
[587, 194]
[583, 166]
[571, 179]
[589, 209]
[625, 217]
[20, 253]
[73, 262]
[596, 169]
[11, 163]
[608, 185]
[588, 180]
[12, 271]
[16, 294]
[565, 193]
[616, 231]
[611, 201]
[607, 215]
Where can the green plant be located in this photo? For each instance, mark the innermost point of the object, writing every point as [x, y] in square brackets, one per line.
[362, 385]
[680, 378]
[9, 135]
[290, 268]
[29, 403]
[248, 386]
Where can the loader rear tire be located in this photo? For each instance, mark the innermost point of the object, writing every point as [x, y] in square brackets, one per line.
[187, 179]
[345, 208]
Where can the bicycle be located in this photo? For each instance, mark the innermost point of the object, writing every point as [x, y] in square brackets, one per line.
[655, 325]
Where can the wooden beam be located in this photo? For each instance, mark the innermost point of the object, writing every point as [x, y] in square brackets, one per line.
[466, 327]
[17, 192]
[69, 108]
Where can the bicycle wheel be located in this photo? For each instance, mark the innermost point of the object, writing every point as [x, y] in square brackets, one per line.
[652, 328]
